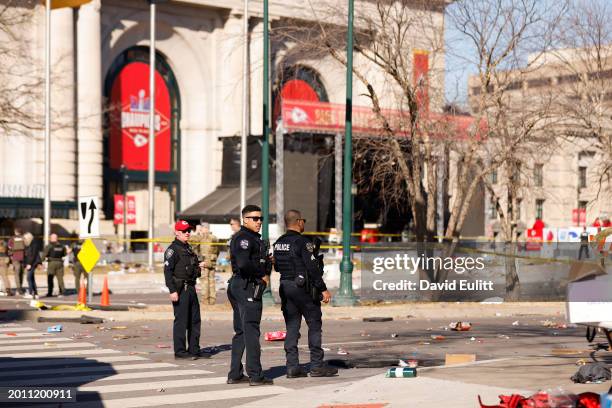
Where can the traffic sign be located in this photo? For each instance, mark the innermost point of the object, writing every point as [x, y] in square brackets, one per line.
[89, 217]
[88, 255]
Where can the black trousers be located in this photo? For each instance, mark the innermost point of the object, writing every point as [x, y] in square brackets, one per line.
[295, 304]
[247, 318]
[584, 248]
[186, 321]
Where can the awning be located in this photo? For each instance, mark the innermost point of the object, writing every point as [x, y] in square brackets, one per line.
[224, 203]
[20, 208]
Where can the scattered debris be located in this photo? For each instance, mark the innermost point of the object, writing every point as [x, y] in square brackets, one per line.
[592, 373]
[11, 334]
[438, 337]
[401, 372]
[515, 323]
[377, 319]
[460, 326]
[492, 301]
[342, 352]
[82, 320]
[54, 329]
[452, 359]
[118, 328]
[47, 344]
[472, 338]
[503, 336]
[275, 335]
[394, 335]
[364, 334]
[163, 346]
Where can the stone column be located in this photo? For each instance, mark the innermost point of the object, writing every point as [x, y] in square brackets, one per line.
[89, 97]
[231, 75]
[63, 152]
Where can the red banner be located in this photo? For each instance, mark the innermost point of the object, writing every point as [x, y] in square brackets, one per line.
[420, 78]
[131, 209]
[129, 119]
[324, 117]
[534, 239]
[579, 216]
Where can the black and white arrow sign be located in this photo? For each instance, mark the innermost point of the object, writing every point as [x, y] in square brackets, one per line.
[89, 217]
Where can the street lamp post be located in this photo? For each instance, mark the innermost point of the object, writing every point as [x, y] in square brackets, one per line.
[151, 134]
[345, 295]
[124, 178]
[265, 146]
[47, 200]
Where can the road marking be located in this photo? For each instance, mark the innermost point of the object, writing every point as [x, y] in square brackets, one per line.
[154, 385]
[37, 340]
[65, 353]
[95, 368]
[342, 343]
[26, 334]
[15, 329]
[174, 399]
[6, 349]
[68, 361]
[88, 378]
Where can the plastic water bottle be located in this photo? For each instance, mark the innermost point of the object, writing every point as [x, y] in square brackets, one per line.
[401, 372]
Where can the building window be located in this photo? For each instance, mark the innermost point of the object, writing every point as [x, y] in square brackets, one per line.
[539, 209]
[519, 208]
[582, 177]
[538, 175]
[535, 83]
[494, 177]
[492, 209]
[582, 205]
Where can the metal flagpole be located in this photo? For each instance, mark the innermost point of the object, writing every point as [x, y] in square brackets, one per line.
[245, 107]
[265, 148]
[345, 296]
[47, 201]
[151, 134]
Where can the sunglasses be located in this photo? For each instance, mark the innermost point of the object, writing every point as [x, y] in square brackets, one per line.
[256, 219]
[302, 219]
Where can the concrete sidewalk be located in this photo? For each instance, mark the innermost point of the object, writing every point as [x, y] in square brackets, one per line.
[393, 392]
[403, 311]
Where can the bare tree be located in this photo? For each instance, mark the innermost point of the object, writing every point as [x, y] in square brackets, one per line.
[509, 39]
[584, 82]
[21, 82]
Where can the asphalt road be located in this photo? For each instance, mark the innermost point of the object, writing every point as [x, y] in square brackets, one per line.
[145, 370]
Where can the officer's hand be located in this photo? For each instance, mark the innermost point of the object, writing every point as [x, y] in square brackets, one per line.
[266, 279]
[174, 297]
[28, 267]
[326, 296]
[204, 264]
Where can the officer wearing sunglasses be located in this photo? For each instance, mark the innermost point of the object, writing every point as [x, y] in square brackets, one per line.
[251, 267]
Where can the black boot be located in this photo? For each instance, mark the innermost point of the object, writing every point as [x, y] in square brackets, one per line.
[323, 371]
[296, 372]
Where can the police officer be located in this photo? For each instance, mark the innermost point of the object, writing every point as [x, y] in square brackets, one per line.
[77, 267]
[54, 254]
[251, 267]
[181, 269]
[296, 261]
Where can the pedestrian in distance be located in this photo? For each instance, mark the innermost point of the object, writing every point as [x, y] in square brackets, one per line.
[16, 251]
[302, 290]
[31, 261]
[207, 252]
[54, 255]
[234, 225]
[584, 243]
[251, 267]
[181, 269]
[77, 268]
[4, 264]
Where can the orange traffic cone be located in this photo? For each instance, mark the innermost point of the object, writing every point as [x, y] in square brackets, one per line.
[105, 300]
[82, 295]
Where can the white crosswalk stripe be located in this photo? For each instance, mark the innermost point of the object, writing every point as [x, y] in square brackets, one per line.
[15, 329]
[89, 368]
[106, 377]
[33, 341]
[7, 349]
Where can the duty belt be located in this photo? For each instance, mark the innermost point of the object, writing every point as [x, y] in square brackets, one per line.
[288, 277]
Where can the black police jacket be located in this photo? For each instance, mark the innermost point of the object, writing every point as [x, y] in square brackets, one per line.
[293, 255]
[55, 252]
[180, 263]
[248, 255]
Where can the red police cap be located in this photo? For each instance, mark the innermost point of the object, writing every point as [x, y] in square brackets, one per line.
[182, 225]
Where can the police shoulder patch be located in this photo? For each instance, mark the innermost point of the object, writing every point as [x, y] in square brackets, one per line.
[169, 253]
[309, 247]
[244, 243]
